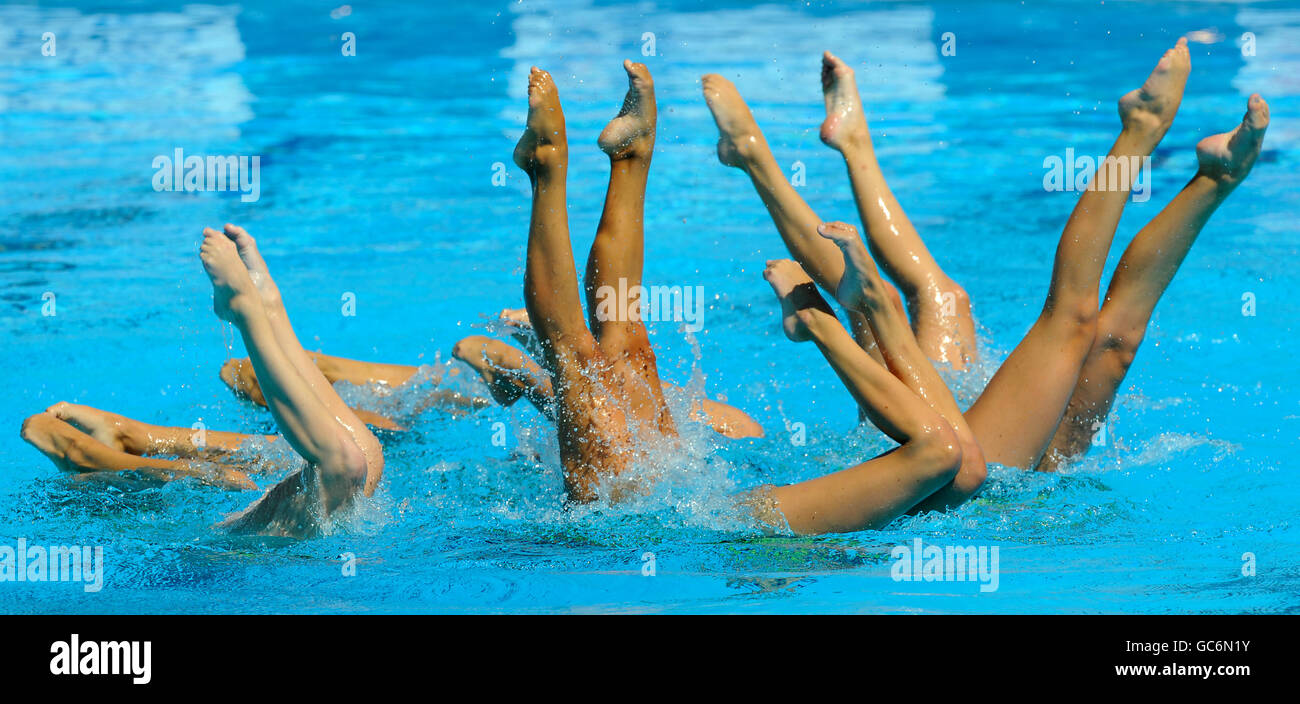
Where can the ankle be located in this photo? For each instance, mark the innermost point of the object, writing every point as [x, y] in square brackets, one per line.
[246, 308]
[1221, 181]
[638, 151]
[856, 146]
[1139, 137]
[135, 436]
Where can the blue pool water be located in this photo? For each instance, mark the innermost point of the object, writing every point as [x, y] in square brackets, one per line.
[377, 180]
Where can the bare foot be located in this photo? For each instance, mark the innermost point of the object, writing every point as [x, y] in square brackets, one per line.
[240, 377]
[1150, 110]
[70, 449]
[543, 143]
[1229, 156]
[800, 301]
[73, 450]
[739, 139]
[516, 318]
[860, 289]
[257, 271]
[233, 293]
[506, 371]
[115, 431]
[632, 132]
[846, 122]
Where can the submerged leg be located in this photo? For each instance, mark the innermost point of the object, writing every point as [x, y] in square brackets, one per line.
[1016, 416]
[238, 374]
[510, 375]
[1143, 274]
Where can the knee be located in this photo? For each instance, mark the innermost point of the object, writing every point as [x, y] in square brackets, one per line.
[344, 472]
[894, 298]
[938, 453]
[630, 343]
[1076, 319]
[950, 299]
[1119, 343]
[974, 470]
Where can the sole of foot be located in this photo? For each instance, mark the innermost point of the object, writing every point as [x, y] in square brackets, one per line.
[846, 123]
[233, 293]
[544, 142]
[1150, 110]
[1228, 157]
[739, 138]
[631, 134]
[860, 289]
[800, 301]
[256, 265]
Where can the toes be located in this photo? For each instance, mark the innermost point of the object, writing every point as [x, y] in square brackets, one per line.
[538, 82]
[834, 63]
[714, 83]
[464, 349]
[1257, 112]
[539, 78]
[237, 232]
[840, 232]
[637, 72]
[230, 371]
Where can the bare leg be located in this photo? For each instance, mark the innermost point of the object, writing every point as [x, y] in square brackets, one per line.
[592, 429]
[1145, 270]
[616, 259]
[239, 375]
[337, 467]
[71, 449]
[511, 375]
[726, 420]
[876, 492]
[508, 373]
[1018, 412]
[136, 438]
[741, 144]
[863, 290]
[293, 350]
[940, 308]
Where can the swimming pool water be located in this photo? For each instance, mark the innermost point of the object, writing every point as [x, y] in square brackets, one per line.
[377, 181]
